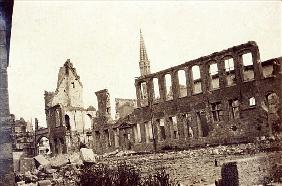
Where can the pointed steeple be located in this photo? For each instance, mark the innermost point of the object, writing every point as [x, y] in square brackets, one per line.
[144, 63]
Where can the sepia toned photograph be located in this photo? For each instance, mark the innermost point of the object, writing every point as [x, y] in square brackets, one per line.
[140, 93]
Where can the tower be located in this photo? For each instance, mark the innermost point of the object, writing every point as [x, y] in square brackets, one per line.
[144, 63]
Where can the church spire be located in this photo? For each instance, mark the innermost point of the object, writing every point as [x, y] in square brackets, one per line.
[144, 62]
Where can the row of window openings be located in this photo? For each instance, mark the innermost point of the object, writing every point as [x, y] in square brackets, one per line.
[248, 74]
[217, 115]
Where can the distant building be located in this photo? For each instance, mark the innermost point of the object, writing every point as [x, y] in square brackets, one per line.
[23, 136]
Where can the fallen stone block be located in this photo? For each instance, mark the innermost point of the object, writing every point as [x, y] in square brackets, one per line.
[27, 164]
[59, 161]
[21, 183]
[41, 160]
[44, 183]
[87, 155]
[247, 171]
[50, 171]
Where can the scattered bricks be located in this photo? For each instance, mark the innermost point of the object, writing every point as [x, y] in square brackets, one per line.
[44, 183]
[27, 164]
[87, 155]
[41, 160]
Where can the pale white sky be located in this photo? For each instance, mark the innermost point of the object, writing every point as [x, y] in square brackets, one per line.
[102, 41]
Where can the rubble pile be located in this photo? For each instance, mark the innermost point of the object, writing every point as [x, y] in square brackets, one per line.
[63, 169]
[192, 167]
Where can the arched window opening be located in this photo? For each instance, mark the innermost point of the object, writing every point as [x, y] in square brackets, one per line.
[43, 146]
[248, 67]
[214, 78]
[67, 122]
[196, 75]
[156, 89]
[182, 83]
[88, 122]
[230, 72]
[169, 93]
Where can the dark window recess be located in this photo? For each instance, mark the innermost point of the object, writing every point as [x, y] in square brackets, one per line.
[67, 121]
[233, 109]
[217, 113]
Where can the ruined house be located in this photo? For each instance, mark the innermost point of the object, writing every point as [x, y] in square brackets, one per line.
[23, 136]
[65, 114]
[226, 97]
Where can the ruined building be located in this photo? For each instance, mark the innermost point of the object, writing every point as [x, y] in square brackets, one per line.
[23, 136]
[226, 97]
[65, 114]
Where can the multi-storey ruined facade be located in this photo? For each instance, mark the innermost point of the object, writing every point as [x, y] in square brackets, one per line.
[226, 97]
[65, 113]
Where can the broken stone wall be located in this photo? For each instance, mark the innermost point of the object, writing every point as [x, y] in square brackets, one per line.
[233, 110]
[124, 107]
[212, 110]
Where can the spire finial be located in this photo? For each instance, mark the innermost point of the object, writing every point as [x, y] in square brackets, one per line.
[144, 62]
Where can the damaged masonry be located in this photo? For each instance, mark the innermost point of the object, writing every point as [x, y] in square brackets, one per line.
[226, 98]
[215, 120]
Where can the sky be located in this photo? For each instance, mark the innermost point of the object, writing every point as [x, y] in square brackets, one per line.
[102, 41]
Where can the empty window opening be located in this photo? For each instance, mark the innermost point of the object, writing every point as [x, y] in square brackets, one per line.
[156, 89]
[187, 118]
[88, 121]
[196, 75]
[144, 95]
[230, 72]
[137, 133]
[252, 101]
[116, 136]
[234, 109]
[72, 84]
[173, 122]
[168, 85]
[203, 128]
[217, 113]
[248, 68]
[149, 131]
[67, 121]
[214, 78]
[162, 129]
[182, 83]
[108, 137]
[267, 70]
[58, 118]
